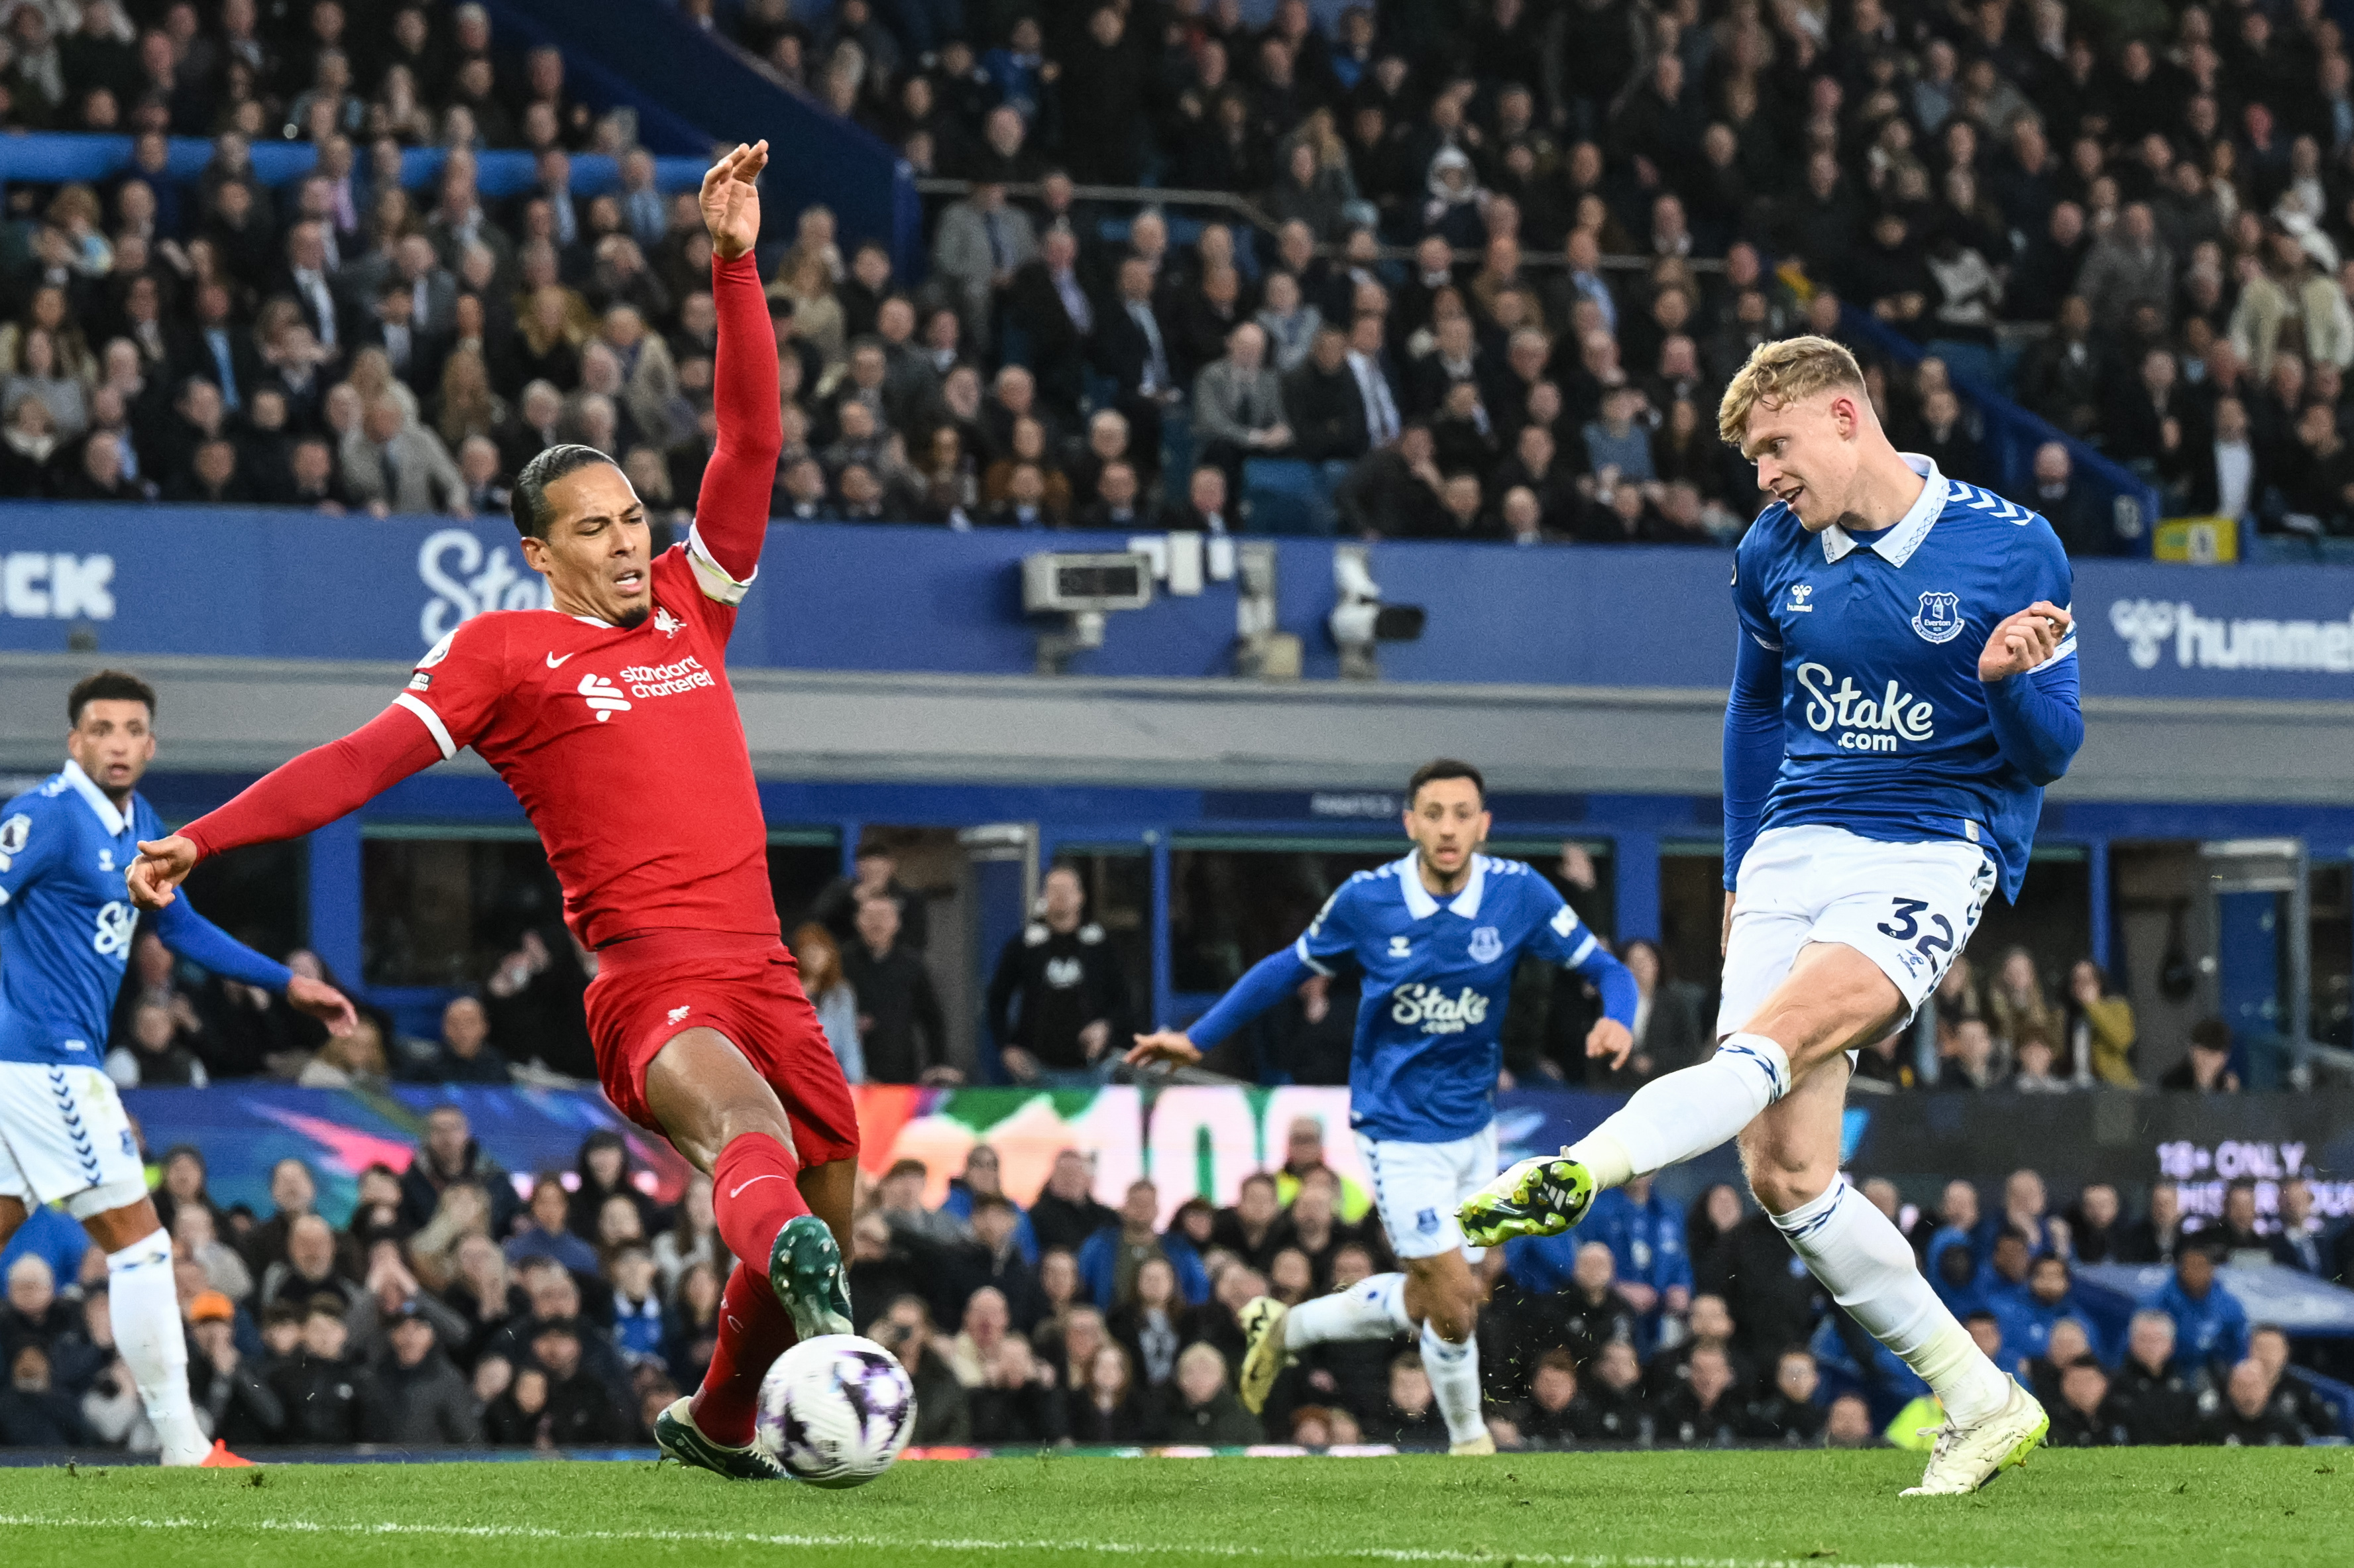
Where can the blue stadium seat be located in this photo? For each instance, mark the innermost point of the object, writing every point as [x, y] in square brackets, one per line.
[1976, 361]
[1285, 495]
[1176, 453]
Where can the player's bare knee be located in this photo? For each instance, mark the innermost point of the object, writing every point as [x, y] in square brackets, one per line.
[1454, 1315]
[1780, 1187]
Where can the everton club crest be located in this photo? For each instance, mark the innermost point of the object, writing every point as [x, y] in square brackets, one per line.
[1939, 618]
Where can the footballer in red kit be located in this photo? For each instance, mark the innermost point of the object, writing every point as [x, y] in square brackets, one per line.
[612, 719]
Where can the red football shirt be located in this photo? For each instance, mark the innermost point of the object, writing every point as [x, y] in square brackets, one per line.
[623, 746]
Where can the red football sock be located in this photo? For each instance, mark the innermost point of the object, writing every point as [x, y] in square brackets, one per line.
[753, 1332]
[753, 1193]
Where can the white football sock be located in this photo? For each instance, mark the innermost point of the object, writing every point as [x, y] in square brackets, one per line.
[1867, 1265]
[145, 1306]
[1687, 1112]
[1454, 1372]
[1372, 1309]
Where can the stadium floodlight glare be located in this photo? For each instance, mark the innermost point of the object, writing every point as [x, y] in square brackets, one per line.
[1083, 588]
[1360, 622]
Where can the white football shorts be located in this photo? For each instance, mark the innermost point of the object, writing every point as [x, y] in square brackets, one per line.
[1908, 908]
[1417, 1187]
[64, 1135]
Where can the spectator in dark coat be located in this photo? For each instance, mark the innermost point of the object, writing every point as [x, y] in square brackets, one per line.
[449, 1155]
[901, 1027]
[1320, 399]
[1066, 1214]
[1558, 1414]
[995, 1258]
[1101, 98]
[1202, 1407]
[2155, 1401]
[581, 1406]
[2246, 1417]
[876, 874]
[318, 1386]
[34, 1411]
[241, 1407]
[1058, 1001]
[416, 1396]
[1049, 306]
[1789, 1416]
[2084, 1416]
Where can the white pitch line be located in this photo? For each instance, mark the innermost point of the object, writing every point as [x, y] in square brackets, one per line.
[1487, 1559]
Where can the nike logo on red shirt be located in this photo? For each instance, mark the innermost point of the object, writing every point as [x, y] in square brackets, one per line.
[553, 663]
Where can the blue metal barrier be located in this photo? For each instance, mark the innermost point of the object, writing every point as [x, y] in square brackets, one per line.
[671, 62]
[2012, 433]
[55, 157]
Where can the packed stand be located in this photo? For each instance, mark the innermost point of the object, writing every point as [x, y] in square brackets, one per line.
[344, 343]
[458, 1306]
[2155, 219]
[1057, 1001]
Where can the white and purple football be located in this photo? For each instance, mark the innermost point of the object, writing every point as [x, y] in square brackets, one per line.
[836, 1411]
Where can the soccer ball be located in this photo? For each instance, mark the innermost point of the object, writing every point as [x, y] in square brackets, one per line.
[836, 1411]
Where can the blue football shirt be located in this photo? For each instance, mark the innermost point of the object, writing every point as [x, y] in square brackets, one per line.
[66, 919]
[1886, 729]
[1436, 978]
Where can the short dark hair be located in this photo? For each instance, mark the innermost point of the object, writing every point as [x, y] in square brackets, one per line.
[2212, 1034]
[108, 686]
[1431, 772]
[528, 501]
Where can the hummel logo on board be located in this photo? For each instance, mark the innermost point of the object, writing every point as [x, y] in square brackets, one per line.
[603, 696]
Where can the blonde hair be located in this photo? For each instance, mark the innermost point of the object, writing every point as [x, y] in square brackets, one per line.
[1781, 373]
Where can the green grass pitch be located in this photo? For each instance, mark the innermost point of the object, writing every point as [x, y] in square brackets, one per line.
[2144, 1508]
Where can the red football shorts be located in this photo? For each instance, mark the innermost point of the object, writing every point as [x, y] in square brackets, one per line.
[652, 987]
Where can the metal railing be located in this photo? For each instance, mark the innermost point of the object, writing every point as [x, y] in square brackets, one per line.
[1260, 218]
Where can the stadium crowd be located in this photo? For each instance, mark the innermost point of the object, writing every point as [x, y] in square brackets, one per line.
[1430, 327]
[1058, 999]
[457, 1305]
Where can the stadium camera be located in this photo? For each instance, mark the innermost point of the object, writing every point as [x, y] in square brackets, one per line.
[1083, 588]
[1360, 622]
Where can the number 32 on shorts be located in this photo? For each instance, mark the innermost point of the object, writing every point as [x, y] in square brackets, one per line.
[1904, 925]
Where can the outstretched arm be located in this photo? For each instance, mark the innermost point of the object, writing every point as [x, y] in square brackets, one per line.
[308, 793]
[1271, 979]
[731, 514]
[2029, 670]
[208, 946]
[1753, 747]
[1613, 1034]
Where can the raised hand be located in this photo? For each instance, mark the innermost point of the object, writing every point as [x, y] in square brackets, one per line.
[324, 1002]
[1612, 1039]
[1170, 1046]
[2020, 642]
[730, 199]
[162, 864]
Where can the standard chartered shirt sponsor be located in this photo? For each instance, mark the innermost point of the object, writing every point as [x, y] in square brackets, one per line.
[668, 680]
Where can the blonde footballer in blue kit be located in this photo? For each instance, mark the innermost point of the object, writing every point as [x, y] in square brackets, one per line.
[1905, 687]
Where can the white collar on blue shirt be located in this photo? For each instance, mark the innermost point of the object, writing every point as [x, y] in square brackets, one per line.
[1895, 544]
[1419, 900]
[108, 817]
